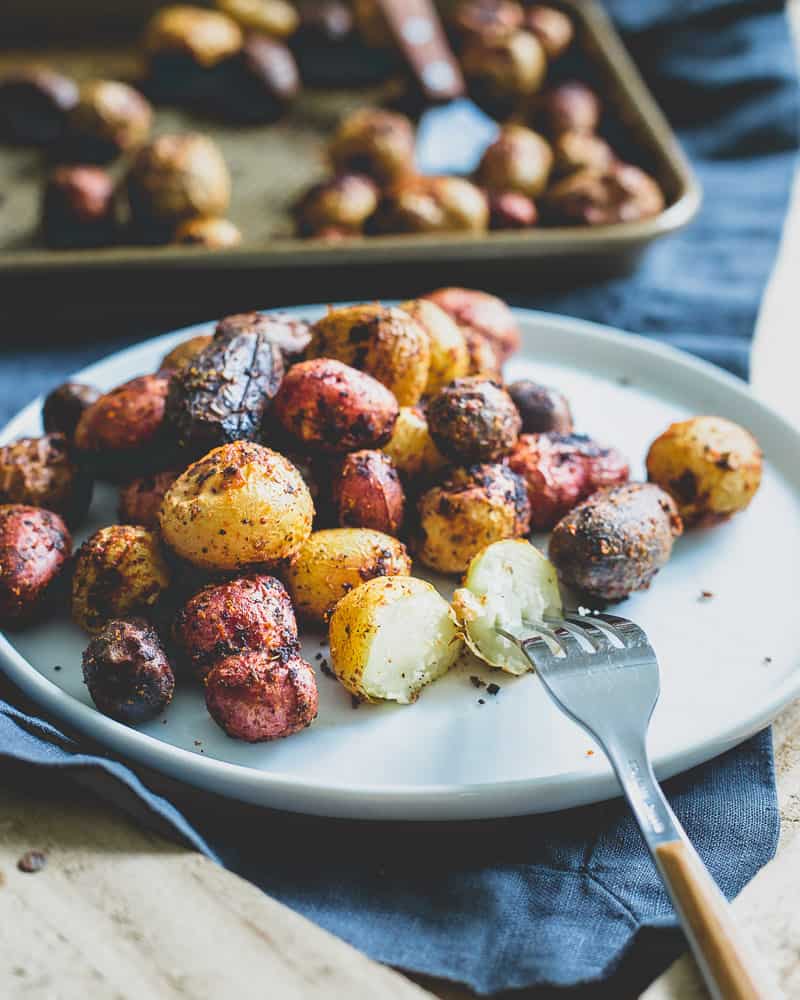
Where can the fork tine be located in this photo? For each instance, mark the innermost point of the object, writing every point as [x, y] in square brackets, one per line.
[630, 632]
[598, 636]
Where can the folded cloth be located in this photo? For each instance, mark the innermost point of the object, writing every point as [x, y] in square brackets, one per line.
[569, 898]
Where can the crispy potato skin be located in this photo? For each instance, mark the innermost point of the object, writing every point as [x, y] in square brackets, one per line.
[481, 314]
[240, 506]
[255, 698]
[332, 407]
[334, 561]
[711, 466]
[449, 357]
[44, 472]
[469, 510]
[616, 541]
[473, 420]
[386, 343]
[140, 500]
[185, 352]
[119, 571]
[127, 671]
[34, 548]
[63, 407]
[543, 410]
[367, 493]
[250, 613]
[560, 470]
[411, 447]
[290, 334]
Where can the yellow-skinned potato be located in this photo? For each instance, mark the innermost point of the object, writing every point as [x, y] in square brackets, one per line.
[711, 466]
[384, 342]
[411, 447]
[240, 505]
[335, 561]
[449, 353]
[369, 633]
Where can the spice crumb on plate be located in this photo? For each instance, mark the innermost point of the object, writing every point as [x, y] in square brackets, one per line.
[32, 861]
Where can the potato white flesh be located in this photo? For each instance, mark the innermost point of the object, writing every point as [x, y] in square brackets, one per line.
[505, 584]
[390, 637]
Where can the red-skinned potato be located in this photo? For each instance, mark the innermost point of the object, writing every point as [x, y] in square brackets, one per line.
[367, 493]
[482, 314]
[140, 501]
[568, 107]
[44, 472]
[34, 547]
[63, 407]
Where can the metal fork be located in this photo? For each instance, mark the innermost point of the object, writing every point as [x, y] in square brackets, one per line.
[603, 673]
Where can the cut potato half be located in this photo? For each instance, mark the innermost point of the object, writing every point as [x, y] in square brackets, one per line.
[506, 584]
[391, 636]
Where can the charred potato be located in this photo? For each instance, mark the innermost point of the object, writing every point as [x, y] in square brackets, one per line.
[43, 472]
[120, 571]
[411, 447]
[289, 333]
[127, 672]
[329, 406]
[140, 500]
[249, 613]
[110, 118]
[241, 505]
[623, 193]
[504, 72]
[417, 204]
[473, 420]
[185, 352]
[344, 202]
[616, 541]
[367, 493]
[374, 142]
[552, 27]
[64, 406]
[369, 629]
[334, 561]
[541, 408]
[568, 107]
[35, 545]
[518, 160]
[253, 697]
[386, 343]
[449, 355]
[470, 509]
[481, 315]
[711, 467]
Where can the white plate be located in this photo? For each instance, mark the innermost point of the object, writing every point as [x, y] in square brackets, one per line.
[728, 664]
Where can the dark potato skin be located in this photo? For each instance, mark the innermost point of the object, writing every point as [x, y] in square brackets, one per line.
[330, 406]
[483, 314]
[249, 613]
[367, 493]
[140, 500]
[570, 106]
[616, 541]
[127, 671]
[254, 697]
[44, 472]
[289, 333]
[63, 407]
[560, 470]
[34, 547]
[224, 394]
[473, 420]
[542, 409]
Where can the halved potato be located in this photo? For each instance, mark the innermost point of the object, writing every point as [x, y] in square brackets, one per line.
[391, 636]
[506, 584]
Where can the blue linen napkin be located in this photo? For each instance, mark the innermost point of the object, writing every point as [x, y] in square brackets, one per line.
[570, 898]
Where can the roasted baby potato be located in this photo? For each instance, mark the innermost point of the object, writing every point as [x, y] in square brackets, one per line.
[622, 193]
[369, 630]
[208, 231]
[473, 420]
[411, 447]
[423, 204]
[110, 118]
[249, 613]
[64, 406]
[511, 210]
[542, 409]
[276, 18]
[122, 433]
[329, 406]
[552, 27]
[383, 342]
[616, 541]
[204, 38]
[44, 472]
[254, 697]
[185, 352]
[507, 584]
[374, 142]
[367, 493]
[570, 106]
[560, 470]
[449, 356]
[581, 151]
[334, 561]
[241, 505]
[470, 509]
[502, 73]
[140, 500]
[289, 333]
[490, 20]
[483, 315]
[35, 545]
[345, 202]
[224, 394]
[711, 466]
[518, 160]
[127, 671]
[120, 571]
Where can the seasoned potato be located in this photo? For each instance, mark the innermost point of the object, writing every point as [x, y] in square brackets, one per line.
[35, 545]
[248, 613]
[374, 142]
[468, 511]
[552, 27]
[541, 408]
[127, 671]
[241, 505]
[581, 151]
[616, 541]
[711, 466]
[502, 73]
[44, 472]
[621, 193]
[411, 447]
[120, 571]
[481, 314]
[289, 333]
[140, 500]
[483, 358]
[63, 407]
[254, 697]
[560, 470]
[334, 561]
[490, 20]
[570, 106]
[425, 204]
[367, 493]
[383, 342]
[449, 357]
[473, 420]
[122, 433]
[185, 352]
[276, 18]
[508, 584]
[345, 201]
[518, 160]
[369, 635]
